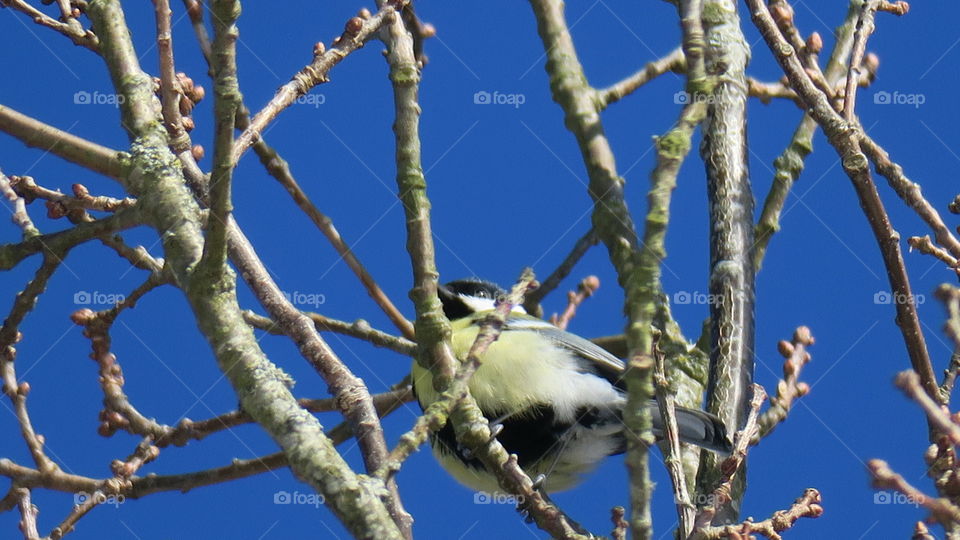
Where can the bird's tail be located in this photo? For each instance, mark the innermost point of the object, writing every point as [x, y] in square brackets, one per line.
[696, 427]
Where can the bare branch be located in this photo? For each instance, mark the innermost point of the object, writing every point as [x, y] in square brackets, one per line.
[170, 90]
[585, 289]
[846, 138]
[672, 62]
[357, 32]
[789, 164]
[157, 179]
[359, 329]
[20, 216]
[686, 512]
[789, 388]
[910, 193]
[278, 168]
[883, 477]
[532, 302]
[36, 134]
[721, 495]
[909, 383]
[71, 28]
[924, 245]
[807, 505]
[28, 515]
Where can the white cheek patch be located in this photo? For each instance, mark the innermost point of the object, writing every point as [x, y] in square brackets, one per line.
[486, 304]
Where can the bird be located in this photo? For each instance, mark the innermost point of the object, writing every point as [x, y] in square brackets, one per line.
[554, 399]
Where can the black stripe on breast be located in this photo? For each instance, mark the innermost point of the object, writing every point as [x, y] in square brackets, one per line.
[529, 437]
[533, 437]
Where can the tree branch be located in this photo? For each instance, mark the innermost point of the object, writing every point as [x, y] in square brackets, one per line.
[845, 139]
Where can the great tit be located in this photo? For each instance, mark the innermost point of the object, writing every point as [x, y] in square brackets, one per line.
[555, 398]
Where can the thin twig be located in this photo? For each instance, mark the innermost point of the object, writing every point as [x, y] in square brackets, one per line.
[356, 33]
[226, 100]
[865, 27]
[71, 28]
[187, 430]
[61, 242]
[721, 495]
[359, 329]
[139, 487]
[790, 163]
[195, 12]
[170, 90]
[20, 216]
[159, 183]
[60, 204]
[925, 245]
[911, 194]
[278, 169]
[28, 515]
[950, 375]
[846, 140]
[620, 525]
[686, 512]
[807, 506]
[9, 335]
[611, 220]
[909, 383]
[585, 289]
[532, 302]
[789, 388]
[883, 477]
[674, 61]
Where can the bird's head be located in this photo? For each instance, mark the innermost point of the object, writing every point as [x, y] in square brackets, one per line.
[465, 297]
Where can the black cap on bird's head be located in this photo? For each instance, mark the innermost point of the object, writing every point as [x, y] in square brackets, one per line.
[464, 297]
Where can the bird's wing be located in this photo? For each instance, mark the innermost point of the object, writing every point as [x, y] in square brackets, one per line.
[599, 360]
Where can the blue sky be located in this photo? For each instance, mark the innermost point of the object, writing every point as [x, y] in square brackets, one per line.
[508, 190]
